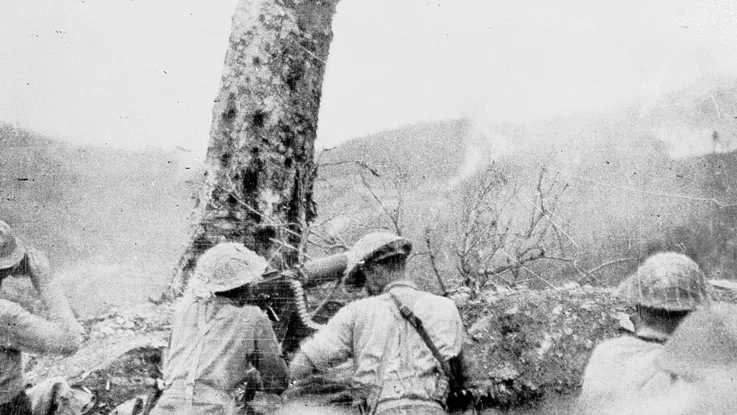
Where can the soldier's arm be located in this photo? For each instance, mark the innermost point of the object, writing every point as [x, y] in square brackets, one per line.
[333, 344]
[21, 330]
[301, 366]
[269, 362]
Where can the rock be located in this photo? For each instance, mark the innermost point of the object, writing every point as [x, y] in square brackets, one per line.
[107, 331]
[479, 329]
[129, 325]
[570, 286]
[506, 372]
[461, 296]
[490, 298]
[504, 291]
[588, 305]
[726, 284]
[557, 310]
[625, 322]
[545, 345]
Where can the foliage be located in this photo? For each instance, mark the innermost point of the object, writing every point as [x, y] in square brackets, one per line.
[494, 239]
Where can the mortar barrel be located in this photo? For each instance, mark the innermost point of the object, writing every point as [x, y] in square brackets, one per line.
[330, 268]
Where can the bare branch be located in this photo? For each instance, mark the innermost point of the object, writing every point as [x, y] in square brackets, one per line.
[360, 163]
[286, 245]
[531, 272]
[393, 217]
[433, 263]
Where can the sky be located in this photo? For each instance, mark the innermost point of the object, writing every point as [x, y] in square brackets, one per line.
[136, 73]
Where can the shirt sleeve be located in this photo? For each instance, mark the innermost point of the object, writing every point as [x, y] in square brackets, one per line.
[334, 343]
[269, 362]
[21, 330]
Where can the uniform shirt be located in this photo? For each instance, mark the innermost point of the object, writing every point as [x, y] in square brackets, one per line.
[213, 344]
[622, 369]
[22, 331]
[391, 363]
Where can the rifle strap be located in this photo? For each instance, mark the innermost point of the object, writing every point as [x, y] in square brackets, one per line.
[417, 324]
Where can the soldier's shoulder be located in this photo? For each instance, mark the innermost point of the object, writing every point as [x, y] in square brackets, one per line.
[622, 345]
[437, 299]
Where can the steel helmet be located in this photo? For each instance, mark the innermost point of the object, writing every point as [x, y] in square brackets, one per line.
[226, 266]
[668, 281]
[374, 247]
[12, 249]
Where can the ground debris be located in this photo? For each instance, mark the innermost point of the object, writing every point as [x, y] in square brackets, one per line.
[541, 342]
[522, 346]
[531, 344]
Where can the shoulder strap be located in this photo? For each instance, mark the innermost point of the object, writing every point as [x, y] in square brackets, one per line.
[417, 324]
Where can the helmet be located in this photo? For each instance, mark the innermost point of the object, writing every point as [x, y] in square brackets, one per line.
[226, 266]
[374, 247]
[12, 249]
[668, 281]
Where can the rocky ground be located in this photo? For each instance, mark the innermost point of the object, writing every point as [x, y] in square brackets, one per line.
[524, 348]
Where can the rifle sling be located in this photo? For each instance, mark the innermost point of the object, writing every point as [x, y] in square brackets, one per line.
[417, 324]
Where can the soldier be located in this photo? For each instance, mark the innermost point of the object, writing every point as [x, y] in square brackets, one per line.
[665, 289]
[394, 371]
[701, 360]
[21, 331]
[217, 342]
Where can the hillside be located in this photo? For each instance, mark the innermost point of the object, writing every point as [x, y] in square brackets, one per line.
[112, 221]
[625, 195]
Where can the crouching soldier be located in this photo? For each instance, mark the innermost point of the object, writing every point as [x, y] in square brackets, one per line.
[701, 359]
[21, 331]
[665, 289]
[394, 370]
[216, 342]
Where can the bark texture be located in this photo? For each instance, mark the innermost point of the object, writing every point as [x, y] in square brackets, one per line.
[260, 160]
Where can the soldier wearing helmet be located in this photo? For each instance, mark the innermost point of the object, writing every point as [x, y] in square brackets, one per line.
[701, 359]
[21, 331]
[393, 369]
[665, 289]
[217, 342]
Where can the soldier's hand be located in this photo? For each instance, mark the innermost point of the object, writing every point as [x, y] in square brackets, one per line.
[38, 266]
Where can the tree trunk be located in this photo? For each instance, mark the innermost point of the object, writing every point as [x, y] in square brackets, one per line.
[260, 160]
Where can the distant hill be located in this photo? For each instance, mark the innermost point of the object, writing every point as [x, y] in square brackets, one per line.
[113, 221]
[431, 151]
[626, 195]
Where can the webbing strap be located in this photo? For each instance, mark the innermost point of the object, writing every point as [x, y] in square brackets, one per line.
[417, 324]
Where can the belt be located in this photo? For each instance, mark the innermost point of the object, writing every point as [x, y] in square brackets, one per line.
[409, 391]
[400, 403]
[199, 392]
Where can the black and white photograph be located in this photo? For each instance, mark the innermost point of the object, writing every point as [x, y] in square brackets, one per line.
[385, 207]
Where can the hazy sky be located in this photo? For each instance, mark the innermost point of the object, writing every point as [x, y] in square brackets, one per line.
[145, 72]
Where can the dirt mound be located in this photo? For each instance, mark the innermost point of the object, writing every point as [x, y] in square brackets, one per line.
[121, 356]
[523, 347]
[526, 344]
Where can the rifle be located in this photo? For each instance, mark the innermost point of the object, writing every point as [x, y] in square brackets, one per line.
[281, 295]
